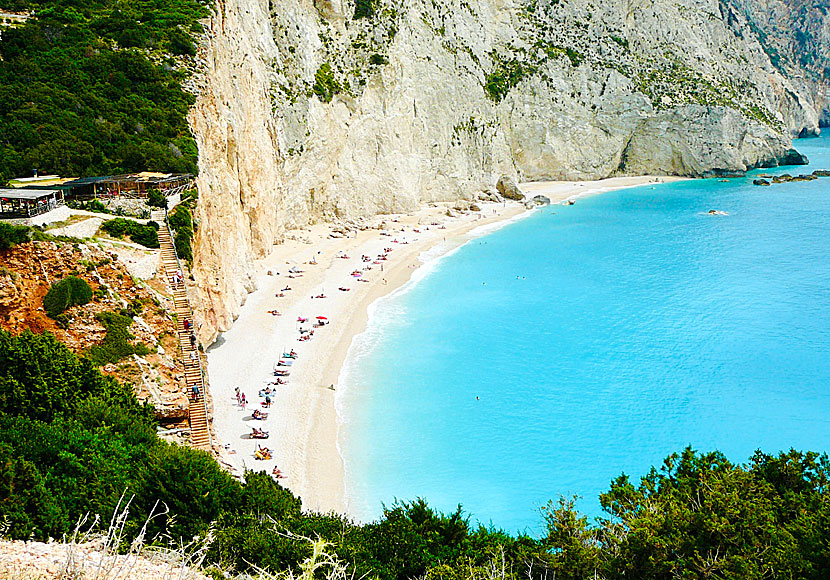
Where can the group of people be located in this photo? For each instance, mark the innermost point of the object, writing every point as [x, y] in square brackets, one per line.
[261, 453]
[241, 399]
[177, 279]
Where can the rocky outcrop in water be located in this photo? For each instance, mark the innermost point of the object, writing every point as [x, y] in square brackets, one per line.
[306, 113]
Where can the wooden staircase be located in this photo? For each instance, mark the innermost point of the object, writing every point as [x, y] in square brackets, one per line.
[193, 370]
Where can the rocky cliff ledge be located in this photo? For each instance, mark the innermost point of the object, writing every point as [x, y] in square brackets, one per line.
[324, 110]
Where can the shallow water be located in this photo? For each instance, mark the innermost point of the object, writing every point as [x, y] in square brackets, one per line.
[583, 342]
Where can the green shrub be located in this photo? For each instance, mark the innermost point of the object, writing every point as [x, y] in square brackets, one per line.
[189, 198]
[363, 9]
[96, 206]
[184, 248]
[155, 198]
[325, 85]
[116, 344]
[181, 220]
[574, 56]
[146, 235]
[505, 76]
[117, 228]
[69, 292]
[11, 235]
[378, 59]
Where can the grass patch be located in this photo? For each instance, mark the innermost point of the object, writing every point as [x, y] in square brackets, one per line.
[116, 344]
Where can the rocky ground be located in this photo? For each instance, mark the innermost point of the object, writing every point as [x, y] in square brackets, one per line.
[28, 270]
[39, 561]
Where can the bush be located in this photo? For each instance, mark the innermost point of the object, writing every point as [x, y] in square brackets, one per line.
[325, 85]
[116, 344]
[378, 59]
[155, 198]
[184, 249]
[363, 9]
[181, 220]
[117, 228]
[69, 292]
[11, 235]
[146, 235]
[96, 206]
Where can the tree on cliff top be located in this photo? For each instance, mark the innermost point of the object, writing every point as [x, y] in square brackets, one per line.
[363, 9]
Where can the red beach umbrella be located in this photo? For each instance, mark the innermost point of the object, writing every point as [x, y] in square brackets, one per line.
[322, 318]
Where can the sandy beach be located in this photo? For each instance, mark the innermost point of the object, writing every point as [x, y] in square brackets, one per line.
[302, 421]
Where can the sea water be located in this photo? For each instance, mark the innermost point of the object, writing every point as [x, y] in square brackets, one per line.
[549, 357]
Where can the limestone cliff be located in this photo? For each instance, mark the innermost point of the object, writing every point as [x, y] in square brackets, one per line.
[796, 36]
[311, 110]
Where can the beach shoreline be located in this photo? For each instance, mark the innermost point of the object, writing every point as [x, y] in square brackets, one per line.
[303, 420]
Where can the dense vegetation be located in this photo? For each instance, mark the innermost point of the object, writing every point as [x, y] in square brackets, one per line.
[72, 440]
[146, 235]
[94, 87]
[66, 293]
[325, 85]
[11, 235]
[155, 198]
[181, 221]
[117, 343]
[363, 9]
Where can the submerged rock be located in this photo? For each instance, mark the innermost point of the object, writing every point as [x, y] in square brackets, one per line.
[760, 182]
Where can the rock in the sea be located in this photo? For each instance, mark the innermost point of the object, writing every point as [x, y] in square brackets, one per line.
[821, 173]
[793, 157]
[760, 182]
[508, 188]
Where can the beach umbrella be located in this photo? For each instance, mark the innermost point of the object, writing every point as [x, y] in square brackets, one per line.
[322, 318]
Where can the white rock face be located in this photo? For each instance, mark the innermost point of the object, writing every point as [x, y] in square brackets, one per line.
[306, 114]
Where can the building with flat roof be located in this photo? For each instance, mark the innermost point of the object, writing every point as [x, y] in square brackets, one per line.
[129, 185]
[26, 203]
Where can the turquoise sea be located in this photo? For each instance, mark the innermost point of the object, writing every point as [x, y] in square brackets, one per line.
[552, 355]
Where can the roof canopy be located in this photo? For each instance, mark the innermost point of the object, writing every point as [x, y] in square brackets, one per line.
[27, 194]
[145, 177]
